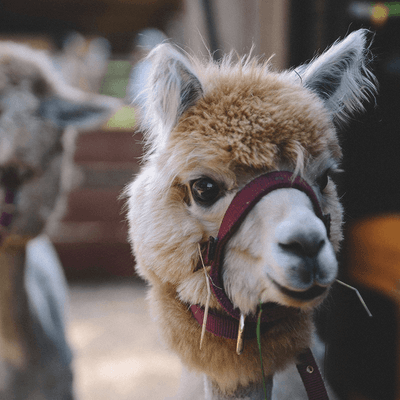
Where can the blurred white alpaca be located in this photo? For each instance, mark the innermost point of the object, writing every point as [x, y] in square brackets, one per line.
[36, 107]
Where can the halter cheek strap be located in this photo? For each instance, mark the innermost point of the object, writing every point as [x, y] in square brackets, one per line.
[227, 325]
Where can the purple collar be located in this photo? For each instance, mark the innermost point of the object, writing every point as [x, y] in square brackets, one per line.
[225, 326]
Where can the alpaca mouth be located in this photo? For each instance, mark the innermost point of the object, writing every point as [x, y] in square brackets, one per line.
[303, 295]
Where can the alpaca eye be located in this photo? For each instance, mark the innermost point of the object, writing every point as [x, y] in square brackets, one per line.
[13, 177]
[10, 177]
[205, 191]
[322, 181]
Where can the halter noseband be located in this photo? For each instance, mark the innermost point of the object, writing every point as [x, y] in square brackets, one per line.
[227, 325]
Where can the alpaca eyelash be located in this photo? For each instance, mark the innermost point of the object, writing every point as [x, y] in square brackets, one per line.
[334, 171]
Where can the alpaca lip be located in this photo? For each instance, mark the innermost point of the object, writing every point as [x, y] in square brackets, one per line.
[304, 295]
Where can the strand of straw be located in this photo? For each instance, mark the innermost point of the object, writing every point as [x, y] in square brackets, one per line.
[203, 327]
[358, 294]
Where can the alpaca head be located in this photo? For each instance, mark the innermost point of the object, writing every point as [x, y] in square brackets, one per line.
[35, 109]
[211, 129]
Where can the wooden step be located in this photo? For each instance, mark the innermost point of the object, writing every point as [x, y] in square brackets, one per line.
[96, 260]
[109, 146]
[89, 204]
[91, 232]
[107, 174]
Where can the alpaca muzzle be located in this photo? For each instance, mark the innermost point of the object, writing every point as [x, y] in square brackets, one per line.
[239, 208]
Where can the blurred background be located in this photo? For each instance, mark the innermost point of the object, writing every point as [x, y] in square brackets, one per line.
[98, 45]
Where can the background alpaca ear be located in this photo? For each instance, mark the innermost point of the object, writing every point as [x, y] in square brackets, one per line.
[172, 87]
[340, 76]
[87, 112]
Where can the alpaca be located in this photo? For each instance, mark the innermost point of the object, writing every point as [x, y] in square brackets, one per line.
[36, 109]
[236, 193]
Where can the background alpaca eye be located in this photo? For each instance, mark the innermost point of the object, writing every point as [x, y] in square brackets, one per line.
[322, 181]
[205, 191]
[13, 177]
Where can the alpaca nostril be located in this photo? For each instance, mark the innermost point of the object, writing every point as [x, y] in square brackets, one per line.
[303, 247]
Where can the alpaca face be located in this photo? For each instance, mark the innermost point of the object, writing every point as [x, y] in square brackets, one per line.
[211, 130]
[30, 156]
[35, 109]
[282, 252]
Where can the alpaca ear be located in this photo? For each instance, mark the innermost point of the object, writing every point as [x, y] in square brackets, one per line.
[84, 113]
[340, 76]
[172, 87]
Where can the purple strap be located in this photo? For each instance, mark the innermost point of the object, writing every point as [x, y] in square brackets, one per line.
[222, 325]
[241, 205]
[227, 327]
[311, 377]
[5, 219]
[10, 196]
[254, 191]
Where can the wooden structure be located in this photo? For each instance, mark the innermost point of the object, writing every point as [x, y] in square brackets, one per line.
[116, 20]
[92, 237]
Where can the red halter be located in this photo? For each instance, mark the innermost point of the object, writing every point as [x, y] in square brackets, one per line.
[227, 325]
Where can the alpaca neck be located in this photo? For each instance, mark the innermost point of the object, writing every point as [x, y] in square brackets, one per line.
[251, 392]
[14, 314]
[218, 358]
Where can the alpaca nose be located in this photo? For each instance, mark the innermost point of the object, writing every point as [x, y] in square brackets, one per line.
[302, 245]
[303, 239]
[306, 250]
